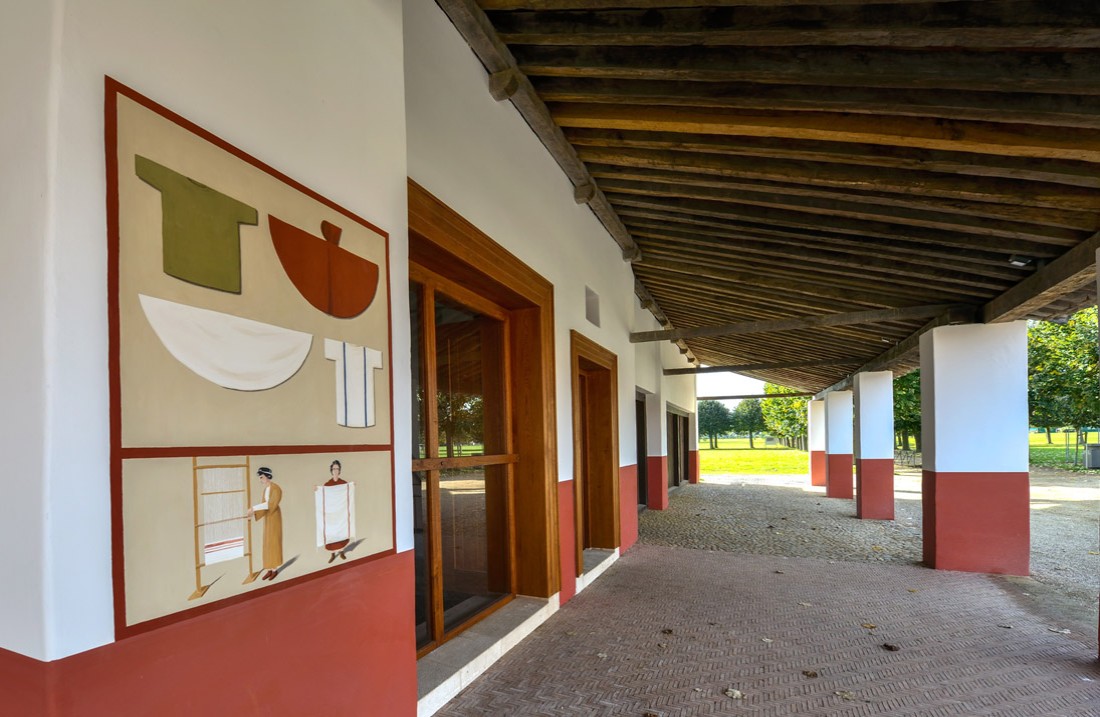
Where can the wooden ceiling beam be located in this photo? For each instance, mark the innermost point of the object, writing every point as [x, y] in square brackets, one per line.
[848, 209]
[977, 261]
[1014, 107]
[894, 131]
[1070, 272]
[807, 322]
[1076, 73]
[475, 28]
[736, 368]
[968, 246]
[1086, 221]
[873, 179]
[646, 4]
[994, 24]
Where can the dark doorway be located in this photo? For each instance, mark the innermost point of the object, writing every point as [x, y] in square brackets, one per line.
[677, 449]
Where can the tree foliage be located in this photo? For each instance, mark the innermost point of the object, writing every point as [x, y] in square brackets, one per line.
[784, 417]
[749, 418]
[1062, 370]
[907, 407]
[714, 420]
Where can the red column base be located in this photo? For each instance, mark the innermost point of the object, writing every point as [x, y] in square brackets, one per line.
[838, 475]
[875, 488]
[567, 542]
[817, 468]
[628, 506]
[977, 522]
[657, 483]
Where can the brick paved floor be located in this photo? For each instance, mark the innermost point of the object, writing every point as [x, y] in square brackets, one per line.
[667, 631]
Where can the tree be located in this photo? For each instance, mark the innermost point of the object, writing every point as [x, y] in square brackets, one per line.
[907, 408]
[749, 418]
[1062, 370]
[714, 420]
[784, 417]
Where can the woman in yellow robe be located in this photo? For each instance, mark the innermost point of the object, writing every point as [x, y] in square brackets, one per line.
[272, 516]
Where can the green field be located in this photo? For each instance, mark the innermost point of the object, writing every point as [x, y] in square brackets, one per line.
[1056, 455]
[734, 456]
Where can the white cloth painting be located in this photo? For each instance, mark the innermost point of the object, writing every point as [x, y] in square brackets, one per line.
[355, 367]
[227, 350]
[335, 513]
[222, 513]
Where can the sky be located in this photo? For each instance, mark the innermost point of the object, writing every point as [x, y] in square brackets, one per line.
[726, 384]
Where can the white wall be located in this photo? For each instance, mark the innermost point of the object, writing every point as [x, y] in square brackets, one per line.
[27, 145]
[838, 422]
[974, 398]
[815, 424]
[481, 159]
[873, 395]
[315, 90]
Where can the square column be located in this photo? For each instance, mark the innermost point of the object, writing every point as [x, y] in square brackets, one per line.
[873, 394]
[838, 444]
[815, 427]
[974, 419]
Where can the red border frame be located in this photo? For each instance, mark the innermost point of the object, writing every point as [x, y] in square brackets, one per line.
[112, 89]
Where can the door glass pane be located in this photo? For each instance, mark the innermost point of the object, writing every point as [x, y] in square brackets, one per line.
[420, 557]
[469, 371]
[474, 522]
[416, 309]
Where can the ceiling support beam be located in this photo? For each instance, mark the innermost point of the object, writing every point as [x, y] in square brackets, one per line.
[760, 396]
[506, 81]
[807, 322]
[1074, 270]
[760, 366]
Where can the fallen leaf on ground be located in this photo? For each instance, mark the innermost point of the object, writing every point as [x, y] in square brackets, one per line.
[667, 631]
[877, 548]
[1060, 632]
[891, 648]
[845, 694]
[1094, 552]
[869, 625]
[698, 689]
[914, 590]
[651, 714]
[1007, 627]
[601, 655]
[810, 673]
[806, 604]
[779, 572]
[735, 694]
[769, 640]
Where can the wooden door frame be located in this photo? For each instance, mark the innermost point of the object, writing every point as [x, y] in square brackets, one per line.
[444, 242]
[585, 354]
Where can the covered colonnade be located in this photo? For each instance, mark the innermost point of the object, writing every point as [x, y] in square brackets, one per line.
[344, 341]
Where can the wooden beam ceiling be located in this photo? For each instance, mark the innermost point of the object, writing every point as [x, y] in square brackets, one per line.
[773, 162]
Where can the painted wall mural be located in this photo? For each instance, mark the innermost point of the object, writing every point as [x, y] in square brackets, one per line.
[252, 420]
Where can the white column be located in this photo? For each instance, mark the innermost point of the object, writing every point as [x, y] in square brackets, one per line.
[873, 394]
[815, 428]
[838, 444]
[974, 424]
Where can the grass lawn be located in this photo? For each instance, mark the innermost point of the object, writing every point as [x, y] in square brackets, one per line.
[733, 455]
[1054, 455]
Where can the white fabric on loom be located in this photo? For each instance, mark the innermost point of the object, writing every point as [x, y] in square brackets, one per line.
[335, 513]
[355, 367]
[227, 350]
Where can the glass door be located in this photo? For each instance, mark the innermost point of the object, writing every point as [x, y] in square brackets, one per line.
[462, 457]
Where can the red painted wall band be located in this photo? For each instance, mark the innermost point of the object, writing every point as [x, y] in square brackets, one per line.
[977, 522]
[657, 479]
[628, 507]
[817, 468]
[838, 475]
[875, 488]
[693, 466]
[567, 541]
[342, 645]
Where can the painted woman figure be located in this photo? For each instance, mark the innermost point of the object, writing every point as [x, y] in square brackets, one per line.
[272, 516]
[335, 513]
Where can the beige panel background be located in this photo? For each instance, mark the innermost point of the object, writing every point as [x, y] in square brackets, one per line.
[163, 402]
[159, 539]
